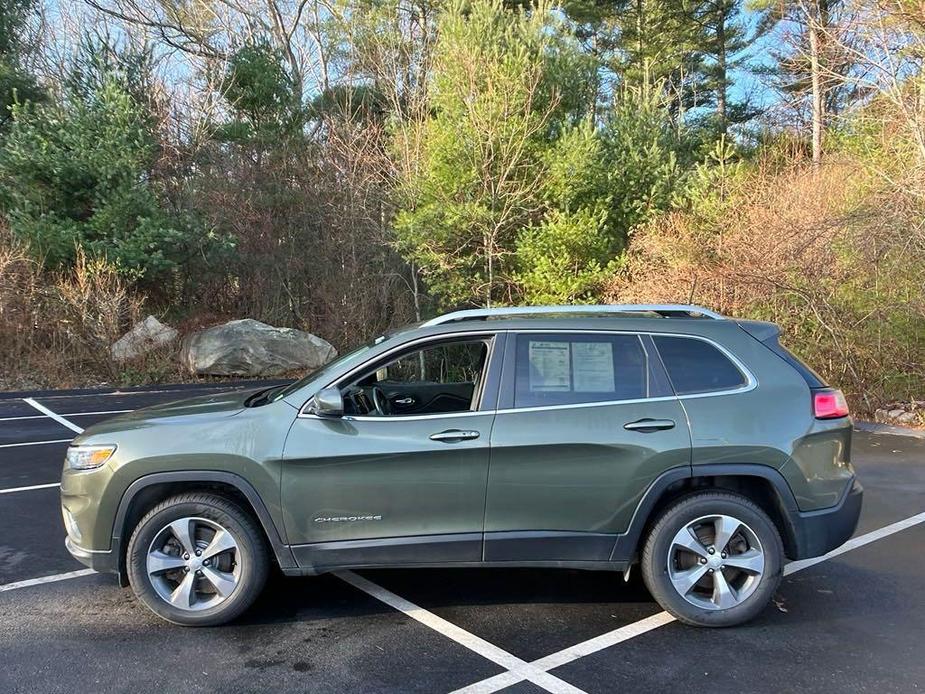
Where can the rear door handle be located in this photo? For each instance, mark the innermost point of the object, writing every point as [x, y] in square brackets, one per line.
[647, 426]
[452, 435]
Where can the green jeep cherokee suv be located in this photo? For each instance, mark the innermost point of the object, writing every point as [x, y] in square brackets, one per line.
[591, 437]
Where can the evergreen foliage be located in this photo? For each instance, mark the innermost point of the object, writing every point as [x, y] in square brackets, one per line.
[351, 165]
[79, 172]
[16, 84]
[518, 194]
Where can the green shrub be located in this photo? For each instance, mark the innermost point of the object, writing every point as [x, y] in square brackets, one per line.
[80, 172]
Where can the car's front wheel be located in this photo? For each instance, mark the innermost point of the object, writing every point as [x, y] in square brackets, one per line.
[713, 559]
[197, 560]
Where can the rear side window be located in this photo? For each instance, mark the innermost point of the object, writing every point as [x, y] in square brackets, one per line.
[695, 366]
[570, 369]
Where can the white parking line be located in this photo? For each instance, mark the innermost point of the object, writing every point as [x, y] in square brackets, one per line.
[518, 670]
[68, 414]
[856, 542]
[612, 638]
[34, 443]
[58, 418]
[45, 579]
[13, 490]
[514, 665]
[538, 670]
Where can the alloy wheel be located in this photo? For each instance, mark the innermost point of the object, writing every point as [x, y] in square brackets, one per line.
[715, 562]
[194, 564]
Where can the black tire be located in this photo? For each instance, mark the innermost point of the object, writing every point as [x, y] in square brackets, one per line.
[251, 557]
[658, 546]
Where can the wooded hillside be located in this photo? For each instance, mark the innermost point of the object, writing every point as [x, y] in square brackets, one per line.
[346, 166]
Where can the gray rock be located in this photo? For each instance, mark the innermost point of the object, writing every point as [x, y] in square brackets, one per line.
[906, 418]
[250, 348]
[142, 338]
[896, 413]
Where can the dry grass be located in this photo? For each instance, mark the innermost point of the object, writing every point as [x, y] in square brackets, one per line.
[836, 257]
[56, 328]
[831, 256]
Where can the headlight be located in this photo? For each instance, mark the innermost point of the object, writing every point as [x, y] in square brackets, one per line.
[88, 457]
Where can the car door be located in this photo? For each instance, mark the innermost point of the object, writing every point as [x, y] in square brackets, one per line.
[586, 422]
[371, 489]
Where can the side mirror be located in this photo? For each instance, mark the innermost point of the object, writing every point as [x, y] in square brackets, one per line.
[328, 402]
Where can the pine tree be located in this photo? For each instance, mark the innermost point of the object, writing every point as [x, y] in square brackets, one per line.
[520, 192]
[809, 69]
[16, 84]
[724, 38]
[658, 49]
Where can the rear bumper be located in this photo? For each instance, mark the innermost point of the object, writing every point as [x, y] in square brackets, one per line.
[819, 532]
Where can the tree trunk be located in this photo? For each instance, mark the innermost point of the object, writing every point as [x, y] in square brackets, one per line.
[639, 46]
[415, 292]
[284, 43]
[490, 268]
[815, 66]
[721, 68]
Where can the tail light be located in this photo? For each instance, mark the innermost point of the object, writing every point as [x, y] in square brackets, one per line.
[829, 404]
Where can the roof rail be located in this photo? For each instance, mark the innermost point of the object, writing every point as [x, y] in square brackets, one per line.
[664, 310]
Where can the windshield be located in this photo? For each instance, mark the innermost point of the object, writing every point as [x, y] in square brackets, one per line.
[327, 368]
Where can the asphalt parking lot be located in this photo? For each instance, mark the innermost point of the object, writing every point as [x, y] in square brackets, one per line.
[853, 621]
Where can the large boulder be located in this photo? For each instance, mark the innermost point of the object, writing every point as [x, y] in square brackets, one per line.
[142, 338]
[250, 348]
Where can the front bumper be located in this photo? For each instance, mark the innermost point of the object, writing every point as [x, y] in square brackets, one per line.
[819, 532]
[98, 560]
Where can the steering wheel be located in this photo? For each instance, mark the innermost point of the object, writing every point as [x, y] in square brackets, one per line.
[380, 402]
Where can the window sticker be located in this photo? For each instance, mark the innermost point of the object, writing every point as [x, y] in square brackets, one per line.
[593, 367]
[549, 366]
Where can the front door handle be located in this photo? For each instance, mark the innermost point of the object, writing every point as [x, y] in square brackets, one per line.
[647, 426]
[405, 401]
[452, 435]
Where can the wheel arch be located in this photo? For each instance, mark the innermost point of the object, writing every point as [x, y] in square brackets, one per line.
[146, 492]
[762, 484]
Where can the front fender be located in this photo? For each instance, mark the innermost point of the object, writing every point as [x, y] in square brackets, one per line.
[120, 532]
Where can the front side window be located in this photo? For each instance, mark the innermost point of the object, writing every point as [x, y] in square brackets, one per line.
[696, 366]
[437, 379]
[569, 369]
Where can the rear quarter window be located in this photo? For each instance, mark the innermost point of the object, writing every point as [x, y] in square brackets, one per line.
[696, 366]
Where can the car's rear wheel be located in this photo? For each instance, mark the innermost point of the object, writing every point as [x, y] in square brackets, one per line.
[713, 559]
[197, 560]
